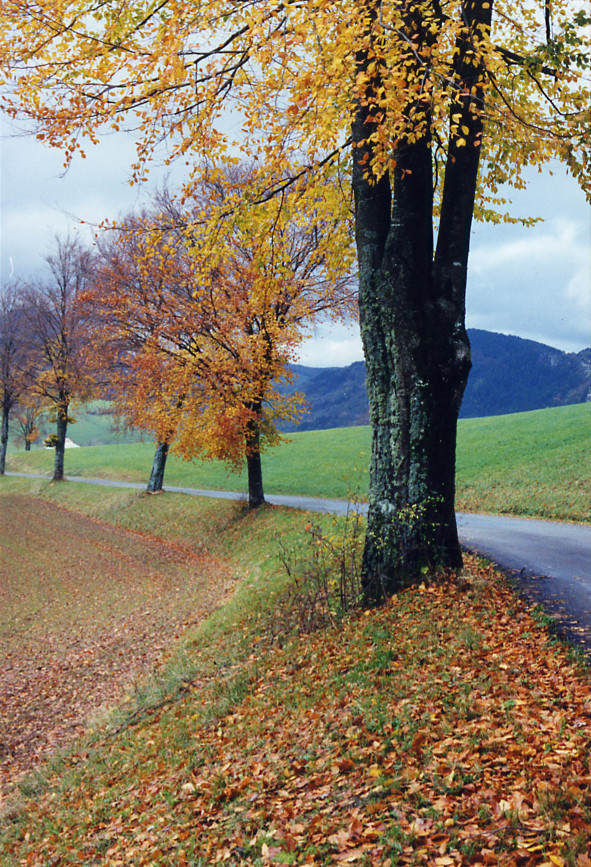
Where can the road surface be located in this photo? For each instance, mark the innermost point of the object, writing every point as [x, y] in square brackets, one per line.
[550, 562]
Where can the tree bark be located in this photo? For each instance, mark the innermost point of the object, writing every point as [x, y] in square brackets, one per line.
[412, 317]
[256, 494]
[60, 446]
[4, 439]
[156, 480]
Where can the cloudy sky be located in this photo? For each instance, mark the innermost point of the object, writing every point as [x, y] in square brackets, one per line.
[534, 283]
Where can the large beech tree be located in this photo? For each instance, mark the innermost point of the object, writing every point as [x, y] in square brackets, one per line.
[13, 350]
[431, 104]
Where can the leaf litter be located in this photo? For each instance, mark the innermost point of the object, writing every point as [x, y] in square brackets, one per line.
[444, 728]
[88, 610]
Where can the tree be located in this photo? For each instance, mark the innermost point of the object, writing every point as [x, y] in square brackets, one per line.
[436, 103]
[29, 415]
[12, 355]
[210, 328]
[57, 332]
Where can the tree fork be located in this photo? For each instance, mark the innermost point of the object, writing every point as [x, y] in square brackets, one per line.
[412, 315]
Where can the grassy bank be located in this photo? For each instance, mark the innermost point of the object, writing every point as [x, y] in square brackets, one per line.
[534, 463]
[445, 728]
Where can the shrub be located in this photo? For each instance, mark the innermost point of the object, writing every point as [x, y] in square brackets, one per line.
[325, 574]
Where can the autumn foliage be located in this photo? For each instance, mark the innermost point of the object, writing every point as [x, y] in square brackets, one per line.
[196, 333]
[286, 76]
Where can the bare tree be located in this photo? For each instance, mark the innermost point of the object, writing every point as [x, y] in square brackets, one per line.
[57, 328]
[12, 352]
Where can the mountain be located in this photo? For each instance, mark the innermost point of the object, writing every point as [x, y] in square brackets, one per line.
[509, 374]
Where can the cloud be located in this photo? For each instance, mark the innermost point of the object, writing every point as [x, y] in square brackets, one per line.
[334, 345]
[531, 282]
[536, 285]
[38, 199]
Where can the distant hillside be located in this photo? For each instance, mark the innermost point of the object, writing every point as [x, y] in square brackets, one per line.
[508, 375]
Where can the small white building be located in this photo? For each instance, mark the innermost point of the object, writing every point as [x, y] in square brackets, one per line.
[69, 444]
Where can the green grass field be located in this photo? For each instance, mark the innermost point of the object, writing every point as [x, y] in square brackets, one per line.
[94, 426]
[534, 463]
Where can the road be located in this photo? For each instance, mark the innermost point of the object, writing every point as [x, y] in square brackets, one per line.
[550, 562]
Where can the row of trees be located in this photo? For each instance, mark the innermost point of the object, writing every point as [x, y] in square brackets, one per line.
[422, 107]
[190, 339]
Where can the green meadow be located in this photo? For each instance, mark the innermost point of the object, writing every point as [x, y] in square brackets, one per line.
[534, 463]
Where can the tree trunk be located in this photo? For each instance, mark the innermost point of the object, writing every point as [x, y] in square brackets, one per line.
[60, 446]
[4, 439]
[256, 494]
[412, 317]
[158, 466]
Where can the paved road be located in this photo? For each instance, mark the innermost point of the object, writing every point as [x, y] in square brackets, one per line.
[549, 561]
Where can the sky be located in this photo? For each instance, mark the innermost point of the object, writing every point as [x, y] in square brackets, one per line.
[531, 282]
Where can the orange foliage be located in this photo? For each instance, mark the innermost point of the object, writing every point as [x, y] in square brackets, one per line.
[200, 313]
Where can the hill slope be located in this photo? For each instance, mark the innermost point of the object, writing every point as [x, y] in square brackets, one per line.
[508, 375]
[441, 729]
[534, 463]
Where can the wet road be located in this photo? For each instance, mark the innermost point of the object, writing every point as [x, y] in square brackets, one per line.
[549, 562]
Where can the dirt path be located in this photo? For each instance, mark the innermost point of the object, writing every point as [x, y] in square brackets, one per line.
[86, 610]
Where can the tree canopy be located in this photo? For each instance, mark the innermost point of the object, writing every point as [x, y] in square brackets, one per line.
[57, 370]
[200, 332]
[283, 80]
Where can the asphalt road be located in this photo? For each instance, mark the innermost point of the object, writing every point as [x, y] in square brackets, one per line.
[549, 562]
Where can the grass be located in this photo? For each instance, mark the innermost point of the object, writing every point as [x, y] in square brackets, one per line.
[444, 728]
[533, 463]
[94, 426]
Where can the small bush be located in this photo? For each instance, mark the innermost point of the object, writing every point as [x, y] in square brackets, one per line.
[325, 574]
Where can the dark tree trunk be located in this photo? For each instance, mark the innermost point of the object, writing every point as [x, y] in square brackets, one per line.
[158, 466]
[60, 446]
[412, 317]
[4, 439]
[256, 494]
[27, 444]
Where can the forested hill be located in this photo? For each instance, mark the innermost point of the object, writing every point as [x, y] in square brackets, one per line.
[508, 375]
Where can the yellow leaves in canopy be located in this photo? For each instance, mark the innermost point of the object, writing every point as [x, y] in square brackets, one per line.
[278, 80]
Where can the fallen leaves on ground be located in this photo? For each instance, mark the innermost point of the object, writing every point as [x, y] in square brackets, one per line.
[441, 729]
[88, 610]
